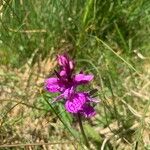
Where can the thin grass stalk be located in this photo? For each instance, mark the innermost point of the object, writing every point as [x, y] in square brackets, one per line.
[84, 21]
[82, 131]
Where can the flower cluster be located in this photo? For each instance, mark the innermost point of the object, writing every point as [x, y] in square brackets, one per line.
[65, 83]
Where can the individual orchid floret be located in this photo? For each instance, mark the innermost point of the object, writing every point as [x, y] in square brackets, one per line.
[64, 61]
[66, 65]
[80, 103]
[75, 103]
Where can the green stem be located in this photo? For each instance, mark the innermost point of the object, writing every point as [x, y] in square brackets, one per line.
[82, 131]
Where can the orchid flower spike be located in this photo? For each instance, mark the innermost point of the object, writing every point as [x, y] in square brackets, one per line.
[66, 82]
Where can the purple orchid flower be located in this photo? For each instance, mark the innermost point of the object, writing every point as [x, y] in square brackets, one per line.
[80, 103]
[66, 83]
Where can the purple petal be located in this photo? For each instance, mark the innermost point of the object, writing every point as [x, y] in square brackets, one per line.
[68, 92]
[71, 65]
[75, 105]
[82, 78]
[52, 85]
[63, 73]
[88, 111]
[72, 107]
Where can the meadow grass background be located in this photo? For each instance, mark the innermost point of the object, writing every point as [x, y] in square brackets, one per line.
[110, 39]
